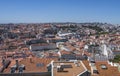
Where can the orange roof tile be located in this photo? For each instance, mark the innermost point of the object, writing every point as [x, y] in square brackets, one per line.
[110, 71]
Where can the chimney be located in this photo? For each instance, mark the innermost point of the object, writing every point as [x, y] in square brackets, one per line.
[17, 65]
[31, 60]
[3, 61]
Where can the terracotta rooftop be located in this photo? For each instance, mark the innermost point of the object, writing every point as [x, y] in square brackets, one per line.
[70, 68]
[31, 63]
[71, 48]
[86, 63]
[47, 54]
[65, 52]
[7, 70]
[110, 71]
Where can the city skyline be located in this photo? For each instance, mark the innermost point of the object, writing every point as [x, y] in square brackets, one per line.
[37, 11]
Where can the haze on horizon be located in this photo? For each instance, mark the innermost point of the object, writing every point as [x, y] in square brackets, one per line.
[36, 11]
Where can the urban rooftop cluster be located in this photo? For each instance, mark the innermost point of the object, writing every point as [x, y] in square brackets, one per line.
[59, 49]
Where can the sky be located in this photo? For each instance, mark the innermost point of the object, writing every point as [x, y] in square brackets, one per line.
[40, 11]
